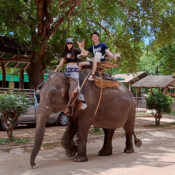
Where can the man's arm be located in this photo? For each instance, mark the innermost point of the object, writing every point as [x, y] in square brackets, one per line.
[110, 55]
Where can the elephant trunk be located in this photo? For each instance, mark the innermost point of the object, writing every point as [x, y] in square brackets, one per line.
[42, 116]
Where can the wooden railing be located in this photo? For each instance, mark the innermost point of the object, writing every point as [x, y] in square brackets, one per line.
[27, 92]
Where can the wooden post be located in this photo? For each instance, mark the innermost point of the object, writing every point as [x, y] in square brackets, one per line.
[130, 86]
[21, 79]
[151, 91]
[3, 74]
[137, 97]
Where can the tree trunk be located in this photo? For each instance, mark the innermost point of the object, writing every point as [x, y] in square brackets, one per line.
[10, 135]
[21, 79]
[36, 70]
[158, 116]
[3, 74]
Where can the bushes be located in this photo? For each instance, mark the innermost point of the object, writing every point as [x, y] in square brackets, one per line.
[160, 102]
[11, 106]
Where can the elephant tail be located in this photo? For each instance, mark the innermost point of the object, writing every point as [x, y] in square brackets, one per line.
[138, 142]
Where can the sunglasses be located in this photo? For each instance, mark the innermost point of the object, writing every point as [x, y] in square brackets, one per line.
[69, 43]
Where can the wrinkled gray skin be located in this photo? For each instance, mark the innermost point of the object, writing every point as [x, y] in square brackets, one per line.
[117, 109]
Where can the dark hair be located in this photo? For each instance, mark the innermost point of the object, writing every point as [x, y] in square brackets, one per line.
[96, 33]
[66, 51]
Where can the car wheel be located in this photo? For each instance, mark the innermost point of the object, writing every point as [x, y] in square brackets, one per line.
[3, 126]
[62, 119]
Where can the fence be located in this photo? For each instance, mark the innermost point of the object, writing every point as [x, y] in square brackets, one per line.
[141, 103]
[27, 92]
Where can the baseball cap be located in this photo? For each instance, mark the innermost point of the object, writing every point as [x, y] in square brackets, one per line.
[69, 40]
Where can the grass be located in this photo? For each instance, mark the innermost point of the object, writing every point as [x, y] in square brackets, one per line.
[172, 113]
[16, 141]
[141, 114]
[51, 145]
[4, 141]
[96, 131]
[163, 125]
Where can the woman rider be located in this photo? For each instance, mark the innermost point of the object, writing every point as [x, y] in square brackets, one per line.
[70, 57]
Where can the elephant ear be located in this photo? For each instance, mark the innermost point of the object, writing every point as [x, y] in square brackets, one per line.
[73, 86]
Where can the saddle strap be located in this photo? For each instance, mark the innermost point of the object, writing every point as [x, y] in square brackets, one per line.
[99, 101]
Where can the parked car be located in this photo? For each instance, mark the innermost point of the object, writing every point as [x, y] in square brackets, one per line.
[29, 118]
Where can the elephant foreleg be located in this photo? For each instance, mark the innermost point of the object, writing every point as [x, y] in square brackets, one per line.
[67, 140]
[107, 145]
[83, 129]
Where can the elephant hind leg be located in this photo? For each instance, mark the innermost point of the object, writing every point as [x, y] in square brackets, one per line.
[107, 145]
[129, 130]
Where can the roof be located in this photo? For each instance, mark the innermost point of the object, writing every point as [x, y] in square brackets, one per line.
[13, 53]
[15, 78]
[130, 77]
[155, 81]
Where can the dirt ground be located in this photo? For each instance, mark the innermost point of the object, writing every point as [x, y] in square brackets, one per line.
[53, 133]
[155, 157]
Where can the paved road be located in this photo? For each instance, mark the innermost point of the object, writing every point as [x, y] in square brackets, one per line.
[156, 157]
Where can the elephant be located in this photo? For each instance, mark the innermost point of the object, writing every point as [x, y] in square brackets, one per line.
[116, 110]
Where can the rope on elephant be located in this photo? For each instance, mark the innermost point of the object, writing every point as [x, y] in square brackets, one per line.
[101, 93]
[85, 80]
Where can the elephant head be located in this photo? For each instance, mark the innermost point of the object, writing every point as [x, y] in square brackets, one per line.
[55, 95]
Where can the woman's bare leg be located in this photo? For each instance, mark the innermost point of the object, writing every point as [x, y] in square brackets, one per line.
[84, 63]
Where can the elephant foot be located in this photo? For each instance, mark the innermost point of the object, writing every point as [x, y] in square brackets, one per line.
[105, 152]
[80, 158]
[128, 150]
[71, 153]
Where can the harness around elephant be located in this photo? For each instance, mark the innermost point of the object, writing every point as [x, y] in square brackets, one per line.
[100, 82]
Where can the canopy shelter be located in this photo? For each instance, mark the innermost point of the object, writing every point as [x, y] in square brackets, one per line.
[154, 81]
[15, 55]
[130, 78]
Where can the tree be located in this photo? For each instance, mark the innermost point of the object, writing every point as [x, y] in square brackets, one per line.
[44, 25]
[161, 103]
[150, 63]
[167, 57]
[11, 107]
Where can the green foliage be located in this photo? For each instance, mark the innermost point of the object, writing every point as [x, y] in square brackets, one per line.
[167, 56]
[16, 141]
[20, 141]
[4, 141]
[96, 131]
[172, 113]
[150, 63]
[123, 25]
[159, 101]
[14, 103]
[11, 107]
[163, 125]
